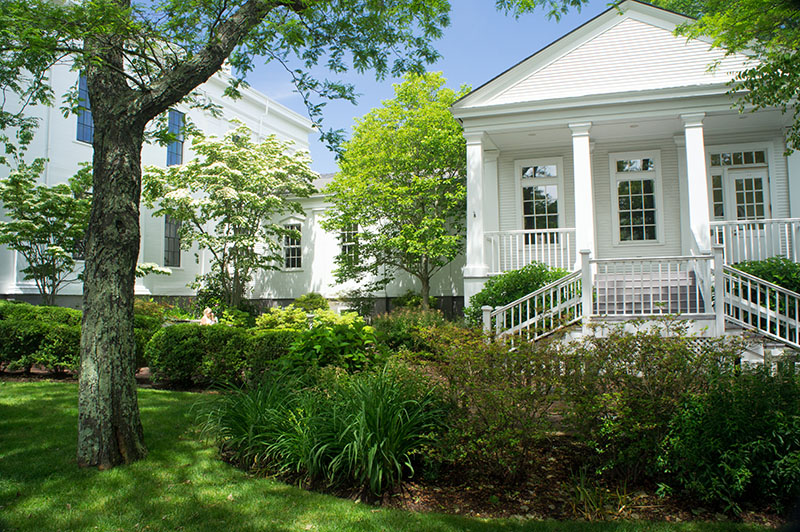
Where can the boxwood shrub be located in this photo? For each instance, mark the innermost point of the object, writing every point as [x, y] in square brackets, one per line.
[50, 337]
[189, 354]
[777, 270]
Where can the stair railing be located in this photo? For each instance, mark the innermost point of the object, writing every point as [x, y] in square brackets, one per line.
[540, 313]
[759, 305]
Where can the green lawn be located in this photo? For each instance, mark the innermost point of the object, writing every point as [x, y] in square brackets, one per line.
[182, 485]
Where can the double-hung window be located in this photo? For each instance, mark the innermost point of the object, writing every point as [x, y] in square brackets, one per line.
[292, 248]
[636, 182]
[348, 240]
[540, 182]
[175, 148]
[85, 122]
[172, 242]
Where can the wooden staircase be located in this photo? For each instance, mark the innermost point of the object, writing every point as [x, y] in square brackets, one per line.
[647, 294]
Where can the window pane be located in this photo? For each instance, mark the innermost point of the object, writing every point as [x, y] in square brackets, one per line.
[715, 159]
[175, 148]
[292, 248]
[760, 156]
[737, 158]
[85, 122]
[172, 242]
[748, 157]
[528, 172]
[545, 171]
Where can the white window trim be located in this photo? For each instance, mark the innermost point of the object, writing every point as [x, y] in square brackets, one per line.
[284, 223]
[558, 181]
[612, 165]
[728, 199]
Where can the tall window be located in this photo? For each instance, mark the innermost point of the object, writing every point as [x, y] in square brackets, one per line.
[636, 183]
[348, 239]
[292, 249]
[175, 148]
[172, 242]
[540, 180]
[739, 184]
[85, 122]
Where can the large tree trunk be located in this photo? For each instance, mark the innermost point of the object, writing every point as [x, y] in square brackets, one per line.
[109, 428]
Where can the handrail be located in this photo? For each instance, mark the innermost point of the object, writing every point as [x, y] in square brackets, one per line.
[718, 223]
[530, 231]
[759, 280]
[546, 288]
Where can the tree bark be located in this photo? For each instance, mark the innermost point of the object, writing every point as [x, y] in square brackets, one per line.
[109, 428]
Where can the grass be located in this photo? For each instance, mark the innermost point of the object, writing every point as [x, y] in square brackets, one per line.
[182, 485]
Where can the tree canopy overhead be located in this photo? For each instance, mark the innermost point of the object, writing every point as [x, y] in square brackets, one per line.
[400, 196]
[768, 28]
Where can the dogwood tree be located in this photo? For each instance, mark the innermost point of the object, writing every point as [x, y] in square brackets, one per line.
[400, 194]
[47, 225]
[226, 199]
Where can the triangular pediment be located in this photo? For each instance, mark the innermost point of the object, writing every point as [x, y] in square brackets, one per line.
[632, 48]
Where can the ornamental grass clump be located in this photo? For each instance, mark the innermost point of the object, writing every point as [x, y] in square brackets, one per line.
[357, 432]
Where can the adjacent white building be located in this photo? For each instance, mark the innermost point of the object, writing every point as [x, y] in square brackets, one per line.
[309, 262]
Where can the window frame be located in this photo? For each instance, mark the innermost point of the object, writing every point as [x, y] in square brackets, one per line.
[348, 242]
[168, 238]
[287, 245]
[521, 182]
[179, 137]
[728, 190]
[616, 177]
[84, 121]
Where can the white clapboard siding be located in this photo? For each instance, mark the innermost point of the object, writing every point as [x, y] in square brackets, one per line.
[630, 56]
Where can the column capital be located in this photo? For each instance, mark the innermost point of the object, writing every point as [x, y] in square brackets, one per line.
[580, 129]
[693, 119]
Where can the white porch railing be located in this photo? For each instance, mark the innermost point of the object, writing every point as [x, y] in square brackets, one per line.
[652, 286]
[757, 239]
[540, 313]
[511, 250]
[762, 306]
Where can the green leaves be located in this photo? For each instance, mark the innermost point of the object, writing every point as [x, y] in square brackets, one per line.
[403, 185]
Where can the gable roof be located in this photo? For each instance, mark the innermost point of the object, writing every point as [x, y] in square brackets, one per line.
[628, 47]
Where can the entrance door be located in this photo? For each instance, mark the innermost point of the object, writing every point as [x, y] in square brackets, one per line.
[741, 194]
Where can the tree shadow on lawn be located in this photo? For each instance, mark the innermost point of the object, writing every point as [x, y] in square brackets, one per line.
[181, 485]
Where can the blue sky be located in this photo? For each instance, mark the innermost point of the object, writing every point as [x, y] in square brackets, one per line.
[479, 44]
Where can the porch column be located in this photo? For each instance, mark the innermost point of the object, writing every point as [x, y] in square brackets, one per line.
[476, 270]
[584, 195]
[794, 183]
[697, 181]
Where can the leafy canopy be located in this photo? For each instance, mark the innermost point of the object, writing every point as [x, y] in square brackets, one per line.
[224, 199]
[402, 186]
[770, 29]
[47, 224]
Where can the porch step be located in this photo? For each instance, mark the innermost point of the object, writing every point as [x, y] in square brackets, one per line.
[647, 293]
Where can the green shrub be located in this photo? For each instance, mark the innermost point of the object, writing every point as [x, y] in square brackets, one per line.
[28, 312]
[266, 346]
[175, 354]
[349, 345]
[225, 350]
[501, 395]
[510, 286]
[290, 318]
[404, 328]
[412, 299]
[150, 308]
[30, 342]
[622, 390]
[777, 270]
[358, 432]
[739, 443]
[311, 302]
[144, 327]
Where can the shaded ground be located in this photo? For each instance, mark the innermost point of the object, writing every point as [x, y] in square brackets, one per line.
[183, 482]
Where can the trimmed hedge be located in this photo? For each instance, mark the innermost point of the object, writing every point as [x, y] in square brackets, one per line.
[50, 337]
[193, 355]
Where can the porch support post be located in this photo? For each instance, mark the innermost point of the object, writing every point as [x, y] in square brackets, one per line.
[584, 195]
[587, 290]
[476, 270]
[719, 289]
[697, 181]
[794, 184]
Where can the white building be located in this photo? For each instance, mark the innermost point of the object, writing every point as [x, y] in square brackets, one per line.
[620, 140]
[66, 142]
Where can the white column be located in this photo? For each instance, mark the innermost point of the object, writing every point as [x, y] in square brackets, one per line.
[793, 162]
[476, 270]
[584, 195]
[491, 192]
[697, 181]
[683, 189]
